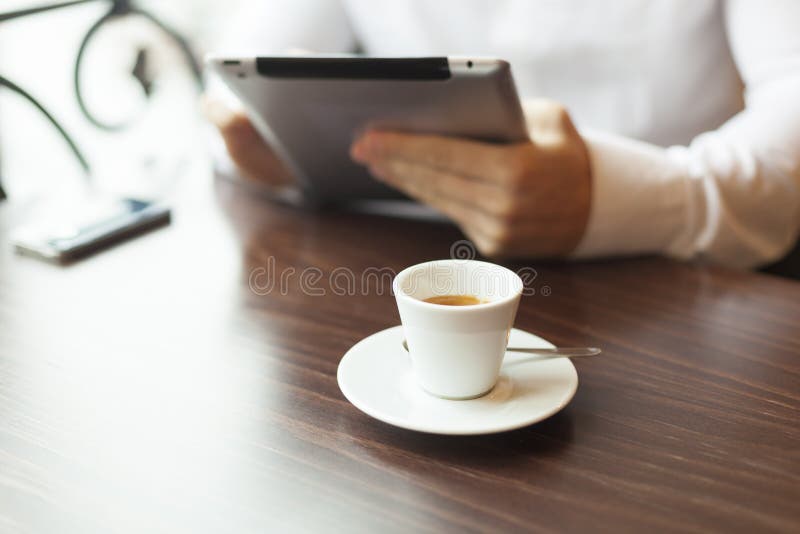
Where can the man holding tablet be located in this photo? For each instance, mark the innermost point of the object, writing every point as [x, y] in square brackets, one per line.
[656, 126]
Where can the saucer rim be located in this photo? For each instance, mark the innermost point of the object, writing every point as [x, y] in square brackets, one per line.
[404, 423]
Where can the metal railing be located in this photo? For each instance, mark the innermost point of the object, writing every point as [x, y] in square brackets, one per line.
[118, 9]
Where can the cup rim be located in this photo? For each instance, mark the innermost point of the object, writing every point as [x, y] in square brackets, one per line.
[516, 293]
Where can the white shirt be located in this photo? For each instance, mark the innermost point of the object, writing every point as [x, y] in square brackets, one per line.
[690, 108]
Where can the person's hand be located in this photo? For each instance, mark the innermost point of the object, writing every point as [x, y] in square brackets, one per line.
[250, 153]
[529, 199]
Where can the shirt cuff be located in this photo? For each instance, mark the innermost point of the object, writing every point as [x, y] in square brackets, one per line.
[640, 200]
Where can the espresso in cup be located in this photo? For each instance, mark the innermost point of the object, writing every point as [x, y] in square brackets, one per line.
[457, 315]
[454, 300]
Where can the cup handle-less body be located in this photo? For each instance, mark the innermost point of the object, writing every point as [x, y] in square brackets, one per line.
[456, 351]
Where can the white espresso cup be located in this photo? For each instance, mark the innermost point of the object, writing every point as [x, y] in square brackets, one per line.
[456, 351]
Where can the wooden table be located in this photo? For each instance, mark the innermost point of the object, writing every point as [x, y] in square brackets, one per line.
[158, 387]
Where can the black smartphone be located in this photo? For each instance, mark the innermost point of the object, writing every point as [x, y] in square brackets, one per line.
[88, 226]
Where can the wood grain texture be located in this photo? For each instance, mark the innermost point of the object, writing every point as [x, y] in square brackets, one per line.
[156, 388]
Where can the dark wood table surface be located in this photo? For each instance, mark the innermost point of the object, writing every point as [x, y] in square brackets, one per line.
[161, 387]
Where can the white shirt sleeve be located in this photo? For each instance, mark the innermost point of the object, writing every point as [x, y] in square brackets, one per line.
[731, 195]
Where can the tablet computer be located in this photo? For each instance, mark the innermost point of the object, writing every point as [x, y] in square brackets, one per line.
[311, 108]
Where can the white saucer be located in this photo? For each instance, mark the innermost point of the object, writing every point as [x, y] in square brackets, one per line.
[375, 375]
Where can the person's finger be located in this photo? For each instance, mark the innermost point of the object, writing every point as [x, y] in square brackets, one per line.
[216, 111]
[548, 121]
[431, 185]
[251, 154]
[419, 182]
[248, 150]
[480, 161]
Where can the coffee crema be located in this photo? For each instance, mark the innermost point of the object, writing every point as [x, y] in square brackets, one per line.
[454, 300]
